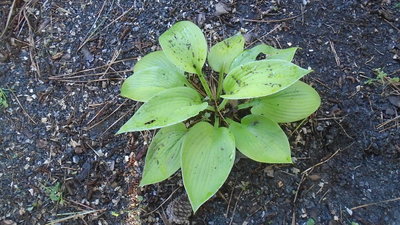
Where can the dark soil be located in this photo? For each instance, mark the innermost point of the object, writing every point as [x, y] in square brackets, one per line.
[61, 66]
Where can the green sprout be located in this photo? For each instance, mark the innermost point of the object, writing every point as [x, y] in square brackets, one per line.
[3, 98]
[55, 193]
[382, 77]
[198, 116]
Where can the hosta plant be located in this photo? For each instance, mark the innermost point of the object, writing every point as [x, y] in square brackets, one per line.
[206, 114]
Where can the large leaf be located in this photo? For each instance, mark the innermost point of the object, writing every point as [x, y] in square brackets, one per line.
[167, 108]
[156, 59]
[261, 139]
[250, 55]
[294, 103]
[208, 154]
[143, 85]
[261, 78]
[152, 74]
[164, 154]
[222, 54]
[185, 46]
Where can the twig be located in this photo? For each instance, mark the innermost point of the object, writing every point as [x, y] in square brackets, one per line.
[326, 160]
[391, 24]
[320, 82]
[268, 33]
[113, 124]
[9, 17]
[78, 203]
[23, 109]
[323, 196]
[115, 110]
[387, 122]
[89, 36]
[298, 126]
[88, 75]
[114, 57]
[376, 203]
[337, 59]
[101, 110]
[306, 172]
[271, 21]
[90, 81]
[74, 216]
[115, 20]
[162, 202]
[234, 208]
[343, 129]
[229, 202]
[303, 177]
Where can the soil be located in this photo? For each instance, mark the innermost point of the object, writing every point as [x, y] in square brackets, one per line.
[61, 66]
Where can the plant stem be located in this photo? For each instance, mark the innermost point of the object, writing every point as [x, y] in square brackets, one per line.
[204, 84]
[216, 122]
[246, 105]
[189, 84]
[210, 108]
[222, 105]
[220, 80]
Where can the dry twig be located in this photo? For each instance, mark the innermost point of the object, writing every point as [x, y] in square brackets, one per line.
[376, 203]
[9, 18]
[23, 109]
[271, 21]
[73, 215]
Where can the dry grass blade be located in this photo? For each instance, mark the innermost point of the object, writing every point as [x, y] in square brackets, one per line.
[31, 40]
[88, 75]
[169, 197]
[326, 160]
[306, 172]
[90, 34]
[112, 22]
[234, 208]
[74, 215]
[115, 110]
[14, 3]
[272, 21]
[382, 125]
[337, 59]
[91, 69]
[376, 203]
[23, 109]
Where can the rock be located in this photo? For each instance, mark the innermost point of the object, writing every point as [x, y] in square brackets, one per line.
[395, 100]
[221, 9]
[75, 159]
[87, 166]
[8, 222]
[87, 54]
[201, 18]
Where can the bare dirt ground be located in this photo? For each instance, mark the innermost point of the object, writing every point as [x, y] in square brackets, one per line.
[61, 66]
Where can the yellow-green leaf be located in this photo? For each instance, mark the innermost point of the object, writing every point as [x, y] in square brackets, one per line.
[167, 108]
[223, 53]
[250, 55]
[291, 104]
[152, 74]
[261, 78]
[156, 59]
[146, 83]
[185, 46]
[164, 154]
[208, 154]
[261, 139]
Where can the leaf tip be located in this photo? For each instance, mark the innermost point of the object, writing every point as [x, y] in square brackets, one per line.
[120, 131]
